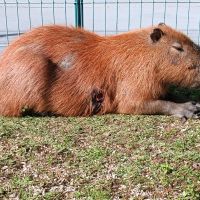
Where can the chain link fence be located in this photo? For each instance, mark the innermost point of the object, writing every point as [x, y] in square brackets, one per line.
[102, 16]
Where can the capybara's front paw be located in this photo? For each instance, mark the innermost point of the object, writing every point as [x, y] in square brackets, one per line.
[187, 110]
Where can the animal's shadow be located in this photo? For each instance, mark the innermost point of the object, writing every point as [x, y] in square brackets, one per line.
[31, 113]
[182, 95]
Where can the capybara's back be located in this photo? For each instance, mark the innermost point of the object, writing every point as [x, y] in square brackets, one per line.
[72, 72]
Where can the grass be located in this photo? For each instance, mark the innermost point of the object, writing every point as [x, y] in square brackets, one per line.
[99, 158]
[102, 157]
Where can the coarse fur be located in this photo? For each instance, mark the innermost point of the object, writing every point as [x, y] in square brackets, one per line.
[56, 69]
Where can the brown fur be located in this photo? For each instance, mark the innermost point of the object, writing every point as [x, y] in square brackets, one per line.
[56, 69]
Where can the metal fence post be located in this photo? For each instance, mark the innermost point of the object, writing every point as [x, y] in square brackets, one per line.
[79, 13]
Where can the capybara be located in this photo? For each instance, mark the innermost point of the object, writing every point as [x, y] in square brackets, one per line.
[73, 72]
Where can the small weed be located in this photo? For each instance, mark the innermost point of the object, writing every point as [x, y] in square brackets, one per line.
[19, 182]
[191, 192]
[92, 193]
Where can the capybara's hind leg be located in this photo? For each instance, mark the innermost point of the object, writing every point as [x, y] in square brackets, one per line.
[24, 83]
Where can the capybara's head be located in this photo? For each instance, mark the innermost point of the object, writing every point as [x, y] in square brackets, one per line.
[177, 56]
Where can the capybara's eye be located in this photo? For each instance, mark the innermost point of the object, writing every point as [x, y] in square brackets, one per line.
[178, 46]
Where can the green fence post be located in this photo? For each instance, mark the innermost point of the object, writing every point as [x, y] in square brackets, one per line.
[79, 13]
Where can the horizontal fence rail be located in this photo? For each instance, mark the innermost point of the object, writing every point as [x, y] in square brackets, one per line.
[102, 16]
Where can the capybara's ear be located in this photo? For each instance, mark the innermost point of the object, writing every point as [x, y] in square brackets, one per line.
[156, 35]
[161, 24]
